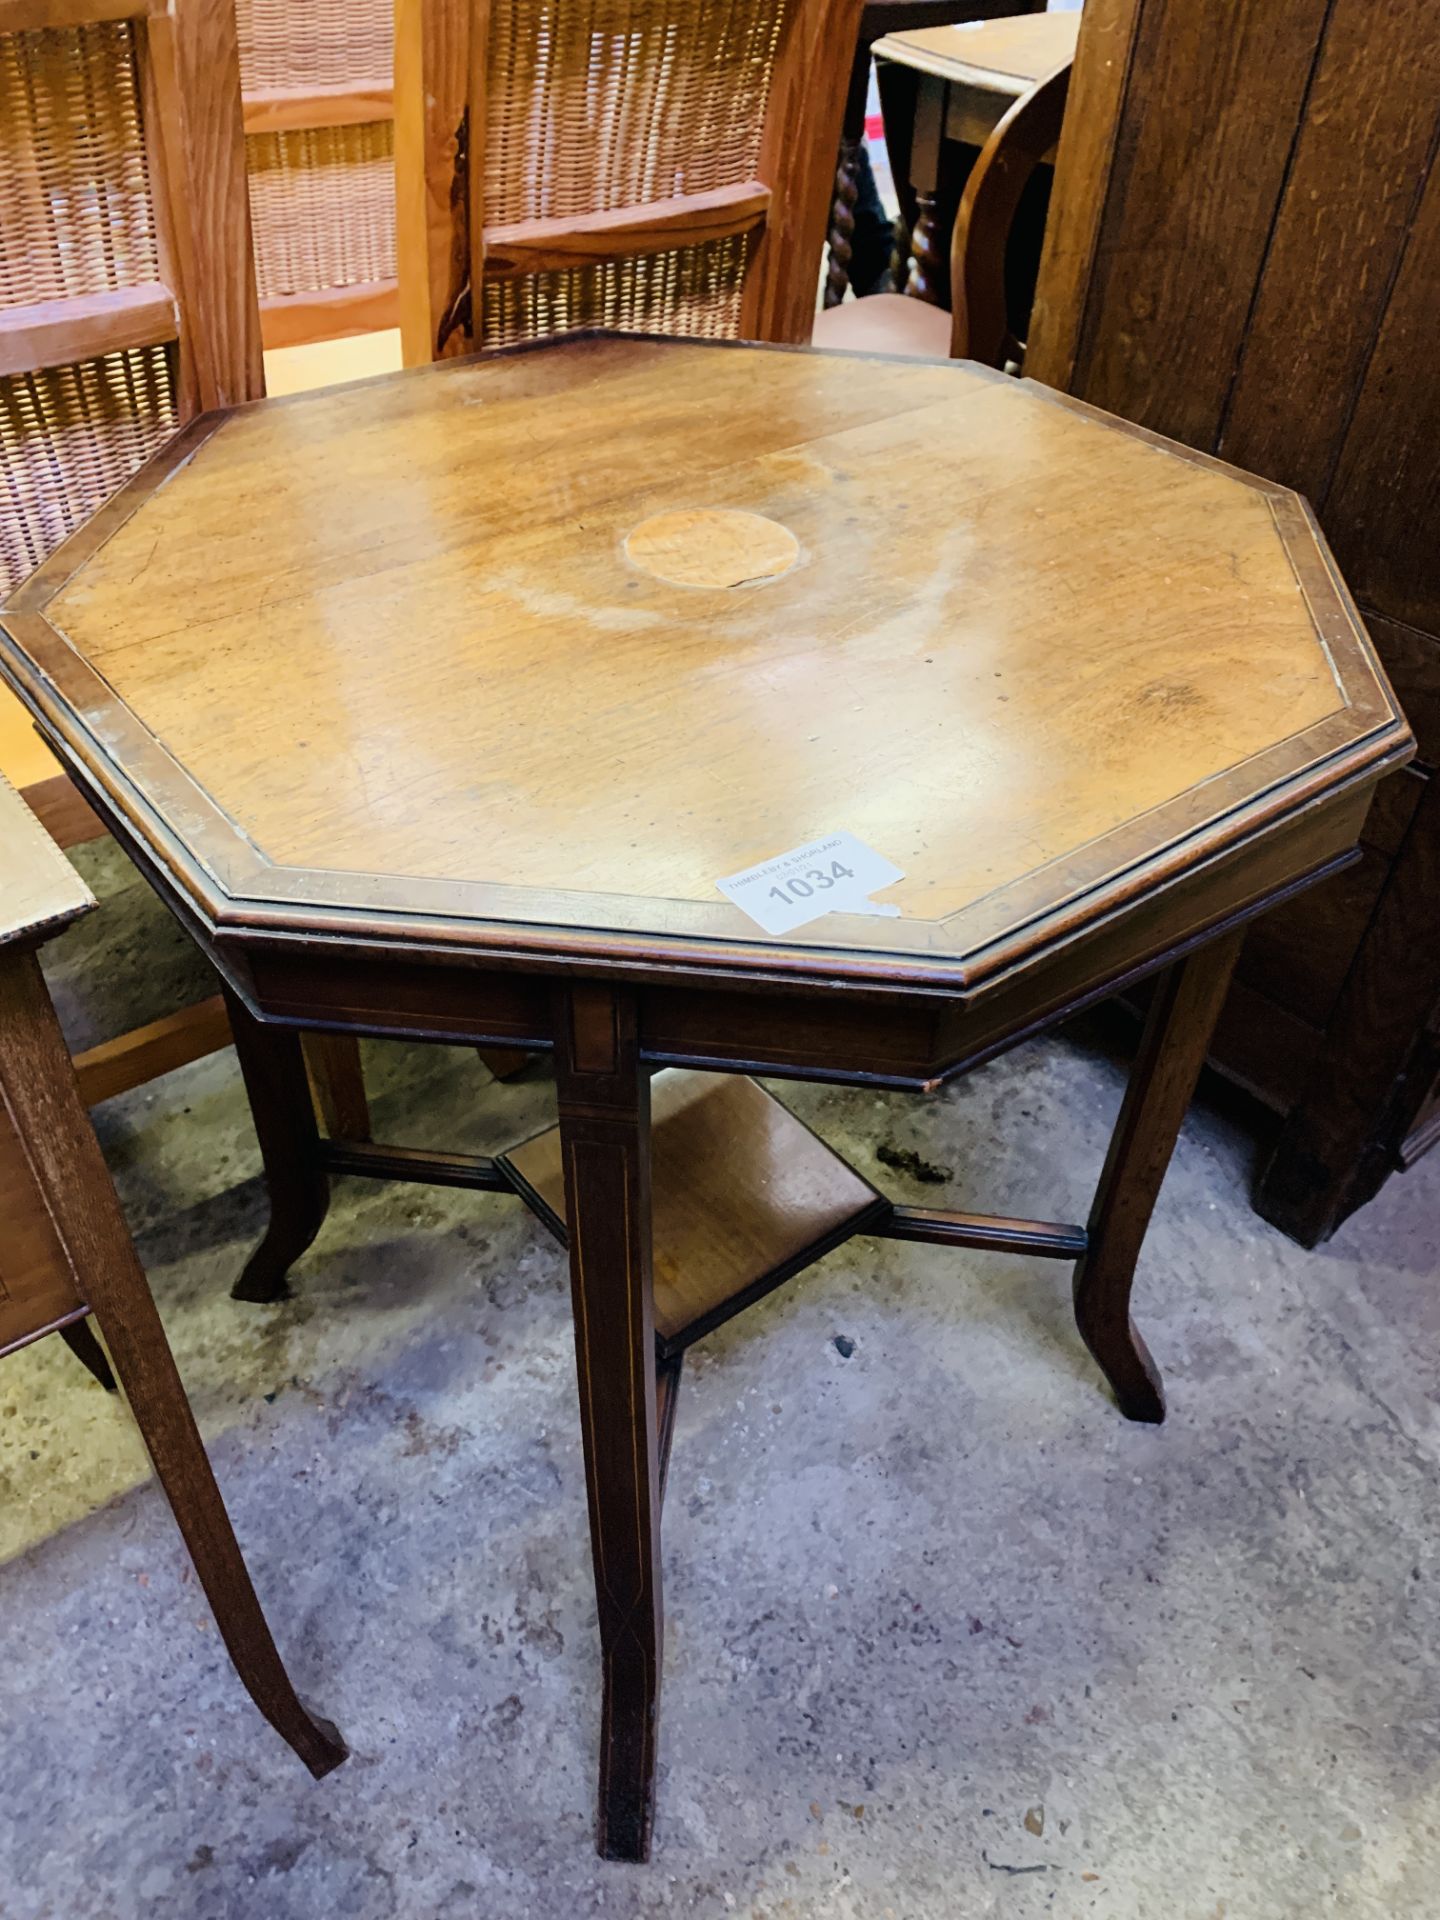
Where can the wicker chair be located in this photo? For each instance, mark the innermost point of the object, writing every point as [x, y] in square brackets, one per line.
[127, 305]
[319, 150]
[664, 166]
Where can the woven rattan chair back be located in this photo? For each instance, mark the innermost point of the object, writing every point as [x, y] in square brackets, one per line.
[319, 149]
[127, 302]
[648, 165]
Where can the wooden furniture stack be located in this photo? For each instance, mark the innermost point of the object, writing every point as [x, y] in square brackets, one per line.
[65, 1254]
[319, 148]
[1244, 252]
[1092, 702]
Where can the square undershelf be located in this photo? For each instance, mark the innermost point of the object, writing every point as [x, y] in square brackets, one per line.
[743, 1196]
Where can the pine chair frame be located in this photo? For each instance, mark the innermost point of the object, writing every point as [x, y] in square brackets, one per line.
[447, 250]
[202, 308]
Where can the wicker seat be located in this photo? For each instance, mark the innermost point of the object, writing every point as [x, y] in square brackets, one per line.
[665, 167]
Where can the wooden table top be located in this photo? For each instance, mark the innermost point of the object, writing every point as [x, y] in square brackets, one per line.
[1005, 57]
[528, 652]
[40, 891]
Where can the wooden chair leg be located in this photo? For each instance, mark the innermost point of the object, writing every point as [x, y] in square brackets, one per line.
[1182, 1017]
[604, 1100]
[273, 1066]
[43, 1097]
[337, 1081]
[79, 1336]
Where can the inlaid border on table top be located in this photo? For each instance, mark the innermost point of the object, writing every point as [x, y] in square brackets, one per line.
[239, 892]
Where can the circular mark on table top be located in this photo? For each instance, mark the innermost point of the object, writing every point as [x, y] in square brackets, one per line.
[712, 547]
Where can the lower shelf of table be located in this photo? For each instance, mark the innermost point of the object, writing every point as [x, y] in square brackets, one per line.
[743, 1196]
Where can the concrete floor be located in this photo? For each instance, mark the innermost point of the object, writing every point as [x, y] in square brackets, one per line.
[946, 1636]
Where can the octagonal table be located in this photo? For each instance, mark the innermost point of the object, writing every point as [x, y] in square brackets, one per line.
[437, 706]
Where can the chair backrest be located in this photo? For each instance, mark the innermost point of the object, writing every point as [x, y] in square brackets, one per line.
[1024, 138]
[649, 165]
[319, 145]
[127, 294]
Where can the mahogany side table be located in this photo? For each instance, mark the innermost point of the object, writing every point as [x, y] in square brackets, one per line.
[436, 706]
[65, 1254]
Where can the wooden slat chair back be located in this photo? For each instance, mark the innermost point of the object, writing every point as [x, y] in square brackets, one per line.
[657, 167]
[319, 145]
[126, 302]
[978, 326]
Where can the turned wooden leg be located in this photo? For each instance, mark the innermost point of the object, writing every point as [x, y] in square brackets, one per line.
[928, 266]
[842, 223]
[604, 1100]
[1177, 1032]
[43, 1097]
[79, 1336]
[273, 1066]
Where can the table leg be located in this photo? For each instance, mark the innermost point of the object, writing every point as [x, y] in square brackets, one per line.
[841, 239]
[604, 1102]
[273, 1065]
[930, 266]
[1187, 1002]
[44, 1099]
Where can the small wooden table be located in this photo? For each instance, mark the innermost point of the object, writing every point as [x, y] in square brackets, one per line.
[436, 706]
[946, 89]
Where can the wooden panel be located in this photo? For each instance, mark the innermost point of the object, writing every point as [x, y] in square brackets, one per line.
[1334, 1152]
[1083, 170]
[1383, 512]
[1424, 1133]
[37, 1286]
[1412, 660]
[1361, 154]
[1263, 1046]
[285, 109]
[1396, 799]
[1311, 943]
[57, 333]
[540, 246]
[332, 313]
[1185, 297]
[743, 1196]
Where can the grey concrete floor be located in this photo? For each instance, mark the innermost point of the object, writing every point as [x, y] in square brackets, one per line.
[946, 1636]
